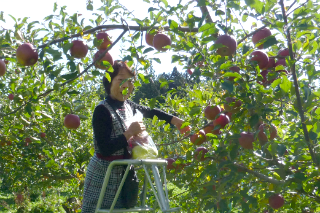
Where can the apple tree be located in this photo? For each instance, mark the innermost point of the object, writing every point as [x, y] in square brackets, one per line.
[249, 141]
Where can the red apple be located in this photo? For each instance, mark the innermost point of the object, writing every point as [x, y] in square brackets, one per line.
[106, 41]
[265, 80]
[106, 57]
[200, 153]
[246, 140]
[222, 120]
[229, 114]
[6, 61]
[149, 38]
[284, 52]
[19, 198]
[230, 45]
[271, 64]
[27, 55]
[260, 57]
[10, 96]
[161, 40]
[42, 135]
[170, 165]
[261, 34]
[28, 140]
[210, 129]
[71, 121]
[262, 135]
[78, 49]
[233, 105]
[211, 112]
[185, 130]
[189, 71]
[276, 201]
[234, 69]
[3, 68]
[198, 138]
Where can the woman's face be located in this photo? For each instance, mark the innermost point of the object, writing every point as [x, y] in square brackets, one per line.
[116, 89]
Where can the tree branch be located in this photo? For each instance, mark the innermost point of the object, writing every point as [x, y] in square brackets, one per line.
[296, 8]
[296, 87]
[84, 71]
[250, 34]
[261, 176]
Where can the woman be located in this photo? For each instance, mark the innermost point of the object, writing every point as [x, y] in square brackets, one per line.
[111, 136]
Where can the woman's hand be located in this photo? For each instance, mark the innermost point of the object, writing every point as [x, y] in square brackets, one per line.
[178, 123]
[134, 129]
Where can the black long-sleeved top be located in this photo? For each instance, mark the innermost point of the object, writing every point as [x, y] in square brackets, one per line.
[102, 124]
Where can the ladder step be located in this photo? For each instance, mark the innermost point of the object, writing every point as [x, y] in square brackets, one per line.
[136, 209]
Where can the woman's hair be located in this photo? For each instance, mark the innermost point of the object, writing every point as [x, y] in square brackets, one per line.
[116, 68]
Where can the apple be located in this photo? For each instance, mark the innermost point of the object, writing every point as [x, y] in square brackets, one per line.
[282, 62]
[271, 64]
[185, 130]
[10, 96]
[246, 140]
[161, 40]
[210, 129]
[78, 49]
[262, 135]
[19, 198]
[9, 143]
[229, 114]
[106, 57]
[106, 41]
[149, 38]
[27, 55]
[198, 138]
[230, 45]
[232, 105]
[222, 120]
[170, 165]
[234, 69]
[6, 61]
[260, 57]
[276, 201]
[284, 52]
[265, 80]
[71, 121]
[261, 34]
[211, 112]
[200, 153]
[3, 68]
[189, 71]
[42, 135]
[28, 140]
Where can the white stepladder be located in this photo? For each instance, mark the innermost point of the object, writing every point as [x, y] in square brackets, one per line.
[161, 196]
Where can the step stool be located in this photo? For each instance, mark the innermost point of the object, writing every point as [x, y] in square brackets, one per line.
[161, 196]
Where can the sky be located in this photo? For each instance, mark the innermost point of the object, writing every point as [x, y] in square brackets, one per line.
[38, 9]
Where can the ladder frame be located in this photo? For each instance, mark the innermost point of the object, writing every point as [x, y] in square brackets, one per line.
[161, 196]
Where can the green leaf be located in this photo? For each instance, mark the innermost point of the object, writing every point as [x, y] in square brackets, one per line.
[90, 7]
[270, 42]
[69, 75]
[29, 108]
[67, 47]
[164, 2]
[255, 4]
[232, 74]
[207, 26]
[173, 25]
[285, 84]
[107, 75]
[55, 6]
[254, 119]
[152, 102]
[147, 50]
[195, 110]
[227, 85]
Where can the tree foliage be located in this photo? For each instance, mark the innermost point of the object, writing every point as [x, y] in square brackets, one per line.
[243, 179]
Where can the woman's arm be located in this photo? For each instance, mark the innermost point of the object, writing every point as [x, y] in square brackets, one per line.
[149, 113]
[102, 128]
